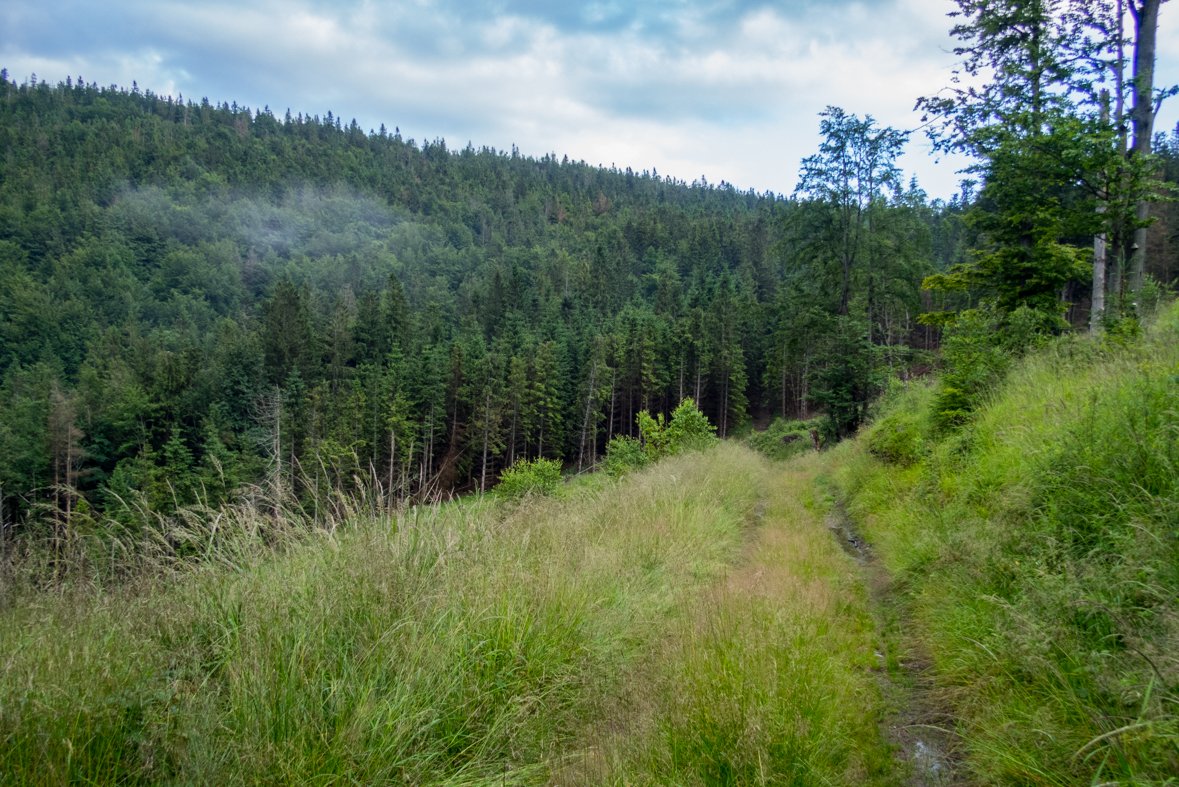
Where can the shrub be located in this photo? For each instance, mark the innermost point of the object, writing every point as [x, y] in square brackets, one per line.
[897, 439]
[785, 439]
[624, 454]
[538, 477]
[689, 430]
[978, 349]
[974, 363]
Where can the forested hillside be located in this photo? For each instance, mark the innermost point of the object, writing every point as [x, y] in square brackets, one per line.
[198, 296]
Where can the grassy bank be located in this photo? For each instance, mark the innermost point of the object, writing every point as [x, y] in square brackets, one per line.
[1038, 550]
[597, 637]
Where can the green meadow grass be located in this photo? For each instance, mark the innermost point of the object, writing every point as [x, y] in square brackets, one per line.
[592, 637]
[1039, 551]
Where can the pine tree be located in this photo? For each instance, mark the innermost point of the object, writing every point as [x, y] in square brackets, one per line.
[595, 392]
[520, 424]
[372, 335]
[288, 339]
[396, 315]
[728, 359]
[544, 399]
[338, 345]
[398, 423]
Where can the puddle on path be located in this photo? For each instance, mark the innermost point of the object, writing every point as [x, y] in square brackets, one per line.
[929, 765]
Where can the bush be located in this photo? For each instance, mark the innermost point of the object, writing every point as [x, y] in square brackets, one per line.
[978, 349]
[974, 363]
[689, 430]
[897, 439]
[624, 454]
[1155, 296]
[785, 439]
[538, 477]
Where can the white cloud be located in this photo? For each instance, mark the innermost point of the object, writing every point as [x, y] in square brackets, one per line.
[680, 86]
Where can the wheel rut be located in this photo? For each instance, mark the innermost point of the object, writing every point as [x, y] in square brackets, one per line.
[919, 723]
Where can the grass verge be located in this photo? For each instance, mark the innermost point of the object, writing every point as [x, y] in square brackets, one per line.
[1038, 551]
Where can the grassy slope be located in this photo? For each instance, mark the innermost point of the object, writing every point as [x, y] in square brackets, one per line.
[691, 624]
[1038, 550]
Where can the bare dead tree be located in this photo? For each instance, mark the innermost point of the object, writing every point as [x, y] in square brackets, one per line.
[267, 413]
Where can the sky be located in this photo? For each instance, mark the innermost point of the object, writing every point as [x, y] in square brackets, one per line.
[728, 90]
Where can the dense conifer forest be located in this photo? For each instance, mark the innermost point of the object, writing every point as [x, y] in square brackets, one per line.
[199, 296]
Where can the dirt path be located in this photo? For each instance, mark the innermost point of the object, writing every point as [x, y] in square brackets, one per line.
[918, 723]
[792, 560]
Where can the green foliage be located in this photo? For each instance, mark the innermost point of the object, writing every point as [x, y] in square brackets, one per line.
[1154, 297]
[897, 439]
[652, 435]
[1057, 165]
[624, 454]
[865, 243]
[978, 348]
[688, 430]
[536, 477]
[338, 305]
[1025, 211]
[784, 439]
[244, 301]
[846, 383]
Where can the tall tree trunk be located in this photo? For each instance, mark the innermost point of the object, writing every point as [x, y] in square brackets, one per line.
[724, 409]
[1097, 311]
[1097, 304]
[56, 507]
[69, 478]
[585, 422]
[429, 469]
[630, 409]
[1116, 269]
[784, 381]
[1146, 22]
[806, 374]
[392, 461]
[512, 438]
[871, 255]
[845, 289]
[610, 427]
[486, 440]
[277, 453]
[681, 397]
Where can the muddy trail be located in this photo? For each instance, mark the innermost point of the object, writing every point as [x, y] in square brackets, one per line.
[919, 723]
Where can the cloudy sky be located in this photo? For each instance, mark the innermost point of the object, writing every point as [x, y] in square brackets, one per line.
[727, 89]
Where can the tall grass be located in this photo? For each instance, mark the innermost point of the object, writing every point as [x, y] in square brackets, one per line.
[778, 659]
[553, 640]
[1040, 546]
